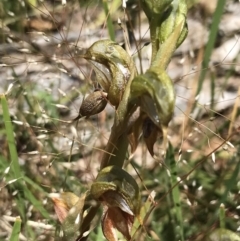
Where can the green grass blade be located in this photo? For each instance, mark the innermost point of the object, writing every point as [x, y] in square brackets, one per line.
[14, 158]
[16, 230]
[175, 191]
[36, 203]
[211, 41]
[10, 137]
[110, 26]
[34, 184]
[231, 182]
[145, 211]
[222, 215]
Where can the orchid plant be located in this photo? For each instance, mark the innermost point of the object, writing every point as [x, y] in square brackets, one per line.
[144, 105]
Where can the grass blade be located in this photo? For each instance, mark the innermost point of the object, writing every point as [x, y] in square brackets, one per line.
[110, 26]
[175, 191]
[14, 157]
[36, 203]
[16, 230]
[211, 41]
[222, 216]
[10, 137]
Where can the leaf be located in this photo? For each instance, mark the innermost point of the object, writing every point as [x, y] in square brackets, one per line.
[72, 223]
[135, 128]
[144, 213]
[10, 137]
[150, 134]
[115, 219]
[133, 139]
[16, 230]
[152, 8]
[175, 190]
[33, 3]
[119, 194]
[175, 14]
[108, 227]
[221, 234]
[63, 202]
[69, 209]
[155, 91]
[157, 96]
[116, 188]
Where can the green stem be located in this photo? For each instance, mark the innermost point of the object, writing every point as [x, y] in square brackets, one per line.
[87, 220]
[154, 39]
[123, 112]
[222, 215]
[166, 50]
[115, 152]
[118, 133]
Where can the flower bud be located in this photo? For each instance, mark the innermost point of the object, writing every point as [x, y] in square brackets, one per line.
[116, 187]
[93, 104]
[173, 16]
[113, 66]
